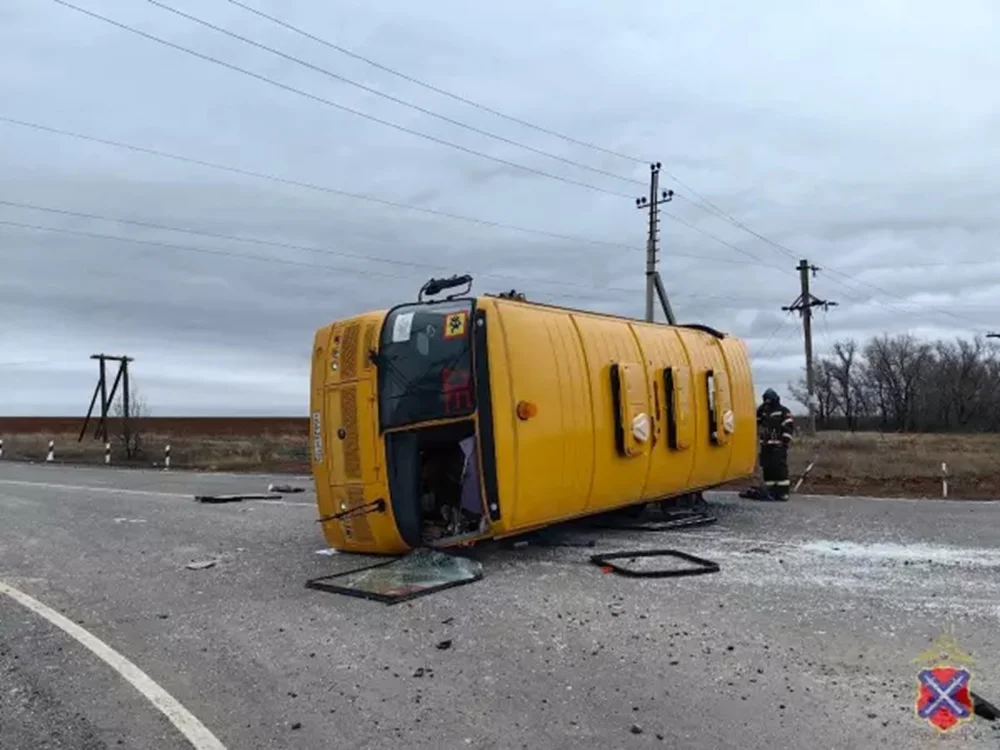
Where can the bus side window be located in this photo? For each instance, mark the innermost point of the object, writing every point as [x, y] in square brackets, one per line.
[713, 424]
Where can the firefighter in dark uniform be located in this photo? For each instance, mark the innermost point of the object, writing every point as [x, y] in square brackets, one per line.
[775, 426]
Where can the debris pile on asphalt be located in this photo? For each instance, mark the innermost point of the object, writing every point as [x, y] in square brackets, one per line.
[201, 564]
[285, 489]
[234, 498]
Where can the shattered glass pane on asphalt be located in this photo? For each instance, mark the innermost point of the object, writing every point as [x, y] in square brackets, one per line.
[420, 570]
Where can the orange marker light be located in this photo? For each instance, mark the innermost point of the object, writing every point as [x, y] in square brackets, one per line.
[526, 409]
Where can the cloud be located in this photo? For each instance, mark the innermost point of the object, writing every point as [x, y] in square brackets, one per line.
[859, 135]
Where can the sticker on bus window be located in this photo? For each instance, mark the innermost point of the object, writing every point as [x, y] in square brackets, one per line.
[454, 325]
[401, 328]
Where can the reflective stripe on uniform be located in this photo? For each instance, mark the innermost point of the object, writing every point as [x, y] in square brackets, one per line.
[774, 442]
[770, 484]
[788, 421]
[782, 483]
[776, 413]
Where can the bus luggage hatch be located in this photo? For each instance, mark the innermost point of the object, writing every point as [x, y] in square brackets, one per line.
[422, 571]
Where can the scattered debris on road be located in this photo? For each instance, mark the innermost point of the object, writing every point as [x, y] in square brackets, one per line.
[234, 498]
[420, 572]
[284, 488]
[604, 561]
[201, 564]
[444, 645]
[328, 552]
[670, 514]
[803, 476]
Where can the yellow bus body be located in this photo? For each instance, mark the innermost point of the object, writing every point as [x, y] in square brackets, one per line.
[578, 413]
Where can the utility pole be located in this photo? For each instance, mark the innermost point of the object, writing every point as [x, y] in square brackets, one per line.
[804, 304]
[653, 280]
[107, 398]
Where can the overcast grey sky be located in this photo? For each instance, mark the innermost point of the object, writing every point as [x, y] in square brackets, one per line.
[864, 136]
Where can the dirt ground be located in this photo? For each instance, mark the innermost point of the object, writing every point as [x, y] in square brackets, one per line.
[871, 464]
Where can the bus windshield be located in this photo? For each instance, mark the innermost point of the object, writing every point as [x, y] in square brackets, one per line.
[425, 363]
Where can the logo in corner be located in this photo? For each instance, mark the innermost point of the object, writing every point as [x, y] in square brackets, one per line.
[944, 691]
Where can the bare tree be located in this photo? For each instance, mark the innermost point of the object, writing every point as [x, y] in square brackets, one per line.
[897, 368]
[823, 389]
[844, 375]
[902, 383]
[131, 434]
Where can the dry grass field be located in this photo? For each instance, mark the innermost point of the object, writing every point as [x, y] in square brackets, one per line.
[900, 465]
[870, 463]
[275, 444]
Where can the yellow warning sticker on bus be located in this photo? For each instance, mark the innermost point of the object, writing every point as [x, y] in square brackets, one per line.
[454, 325]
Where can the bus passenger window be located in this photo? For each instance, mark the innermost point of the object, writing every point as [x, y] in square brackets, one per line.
[669, 398]
[710, 394]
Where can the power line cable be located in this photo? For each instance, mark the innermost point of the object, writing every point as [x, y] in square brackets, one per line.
[421, 209]
[781, 324]
[313, 186]
[342, 193]
[373, 199]
[935, 264]
[892, 295]
[302, 264]
[438, 90]
[335, 105]
[214, 235]
[230, 253]
[702, 202]
[791, 254]
[731, 246]
[850, 290]
[321, 251]
[712, 208]
[29, 362]
[191, 249]
[381, 201]
[209, 58]
[396, 100]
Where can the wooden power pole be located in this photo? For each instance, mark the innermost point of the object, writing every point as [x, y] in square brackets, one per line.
[804, 304]
[653, 281]
[108, 398]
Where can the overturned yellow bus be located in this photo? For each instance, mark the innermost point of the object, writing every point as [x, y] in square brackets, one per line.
[453, 420]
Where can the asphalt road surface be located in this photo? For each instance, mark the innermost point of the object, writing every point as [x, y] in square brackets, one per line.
[805, 638]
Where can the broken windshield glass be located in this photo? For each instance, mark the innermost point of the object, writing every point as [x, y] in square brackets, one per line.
[421, 572]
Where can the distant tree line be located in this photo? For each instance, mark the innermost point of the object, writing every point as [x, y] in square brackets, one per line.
[905, 384]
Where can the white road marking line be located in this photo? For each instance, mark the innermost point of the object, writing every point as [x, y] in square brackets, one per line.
[193, 730]
[119, 490]
[90, 488]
